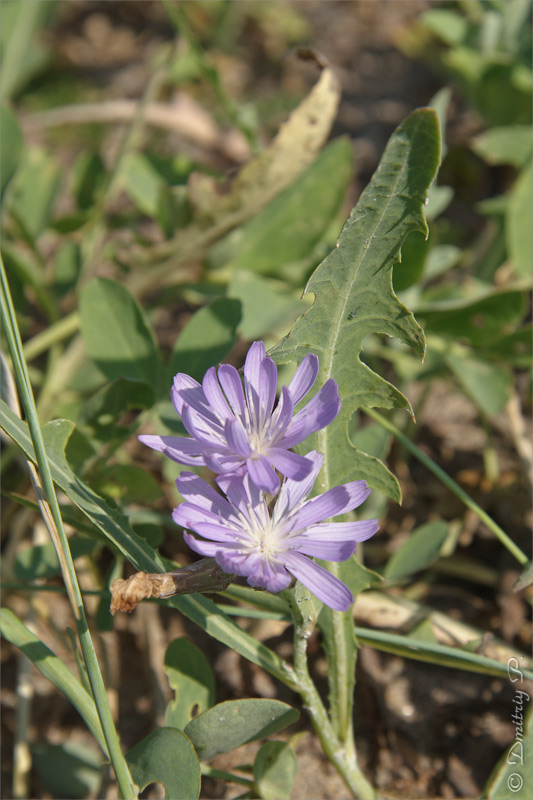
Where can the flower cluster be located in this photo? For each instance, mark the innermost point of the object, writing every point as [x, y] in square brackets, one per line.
[244, 437]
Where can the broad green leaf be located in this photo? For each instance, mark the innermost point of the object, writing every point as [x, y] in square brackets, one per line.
[35, 187]
[191, 678]
[354, 297]
[118, 532]
[290, 226]
[206, 339]
[40, 561]
[449, 26]
[421, 548]
[53, 669]
[70, 770]
[441, 258]
[88, 179]
[143, 183]
[23, 53]
[275, 769]
[102, 412]
[511, 144]
[515, 349]
[127, 483]
[116, 333]
[233, 723]
[518, 222]
[488, 385]
[513, 775]
[266, 304]
[67, 266]
[166, 756]
[11, 143]
[481, 322]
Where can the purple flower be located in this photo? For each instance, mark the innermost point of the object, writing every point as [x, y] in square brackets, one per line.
[269, 548]
[234, 430]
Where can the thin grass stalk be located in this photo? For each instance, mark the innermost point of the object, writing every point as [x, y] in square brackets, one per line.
[428, 462]
[52, 515]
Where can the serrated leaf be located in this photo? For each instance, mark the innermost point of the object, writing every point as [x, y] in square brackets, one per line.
[421, 548]
[191, 678]
[233, 723]
[166, 756]
[116, 333]
[354, 296]
[274, 770]
[206, 339]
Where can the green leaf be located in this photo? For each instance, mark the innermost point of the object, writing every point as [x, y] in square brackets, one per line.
[105, 407]
[40, 561]
[266, 304]
[354, 297]
[67, 266]
[35, 188]
[166, 756]
[515, 349]
[481, 322]
[447, 25]
[488, 385]
[11, 143]
[128, 483]
[439, 654]
[511, 144]
[513, 775]
[229, 725]
[116, 333]
[518, 222]
[68, 771]
[23, 54]
[116, 529]
[206, 339]
[88, 179]
[143, 183]
[191, 678]
[53, 669]
[274, 770]
[289, 227]
[422, 547]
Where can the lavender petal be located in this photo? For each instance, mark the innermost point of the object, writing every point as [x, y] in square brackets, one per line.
[262, 474]
[304, 378]
[319, 581]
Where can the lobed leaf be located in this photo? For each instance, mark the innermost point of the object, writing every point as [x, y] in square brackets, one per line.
[354, 296]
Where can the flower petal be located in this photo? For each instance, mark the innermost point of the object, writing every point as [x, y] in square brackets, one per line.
[262, 474]
[281, 416]
[208, 549]
[215, 395]
[337, 531]
[267, 574]
[237, 438]
[335, 501]
[252, 371]
[203, 428]
[182, 381]
[232, 386]
[291, 464]
[318, 580]
[315, 415]
[327, 549]
[199, 493]
[268, 386]
[293, 492]
[304, 378]
[178, 448]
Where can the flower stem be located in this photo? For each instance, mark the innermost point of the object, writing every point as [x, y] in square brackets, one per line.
[451, 484]
[342, 757]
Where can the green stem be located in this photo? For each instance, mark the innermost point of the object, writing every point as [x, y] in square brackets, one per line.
[342, 757]
[451, 484]
[52, 514]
